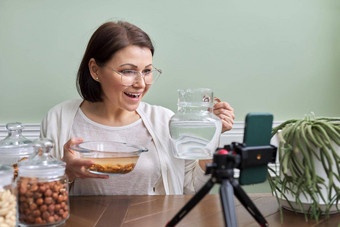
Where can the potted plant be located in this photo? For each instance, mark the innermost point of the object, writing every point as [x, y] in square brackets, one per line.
[308, 180]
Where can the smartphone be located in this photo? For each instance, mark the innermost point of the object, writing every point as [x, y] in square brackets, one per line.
[257, 132]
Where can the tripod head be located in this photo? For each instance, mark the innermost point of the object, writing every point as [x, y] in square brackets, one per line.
[253, 155]
[238, 155]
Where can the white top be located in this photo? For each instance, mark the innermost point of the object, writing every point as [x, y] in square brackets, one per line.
[178, 176]
[147, 172]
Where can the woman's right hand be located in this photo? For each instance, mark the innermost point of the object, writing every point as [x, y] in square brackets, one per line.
[76, 167]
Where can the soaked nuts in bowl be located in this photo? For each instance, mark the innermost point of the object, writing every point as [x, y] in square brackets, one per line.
[110, 157]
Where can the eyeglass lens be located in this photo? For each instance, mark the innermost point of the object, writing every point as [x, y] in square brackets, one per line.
[131, 77]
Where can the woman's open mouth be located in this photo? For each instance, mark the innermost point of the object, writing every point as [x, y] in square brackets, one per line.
[133, 95]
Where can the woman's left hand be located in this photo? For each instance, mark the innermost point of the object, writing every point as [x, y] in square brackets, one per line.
[225, 112]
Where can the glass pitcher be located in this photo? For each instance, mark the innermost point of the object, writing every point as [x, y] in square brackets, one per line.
[195, 130]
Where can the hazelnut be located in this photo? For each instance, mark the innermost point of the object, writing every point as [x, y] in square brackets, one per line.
[55, 195]
[48, 200]
[65, 214]
[42, 188]
[63, 205]
[48, 193]
[33, 206]
[46, 215]
[36, 213]
[37, 195]
[60, 198]
[51, 208]
[61, 212]
[38, 220]
[50, 219]
[34, 187]
[39, 201]
[57, 207]
[43, 208]
[23, 190]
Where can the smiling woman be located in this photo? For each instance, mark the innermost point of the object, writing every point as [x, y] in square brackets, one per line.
[114, 75]
[115, 94]
[107, 40]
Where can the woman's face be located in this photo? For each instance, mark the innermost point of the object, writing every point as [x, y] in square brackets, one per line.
[114, 93]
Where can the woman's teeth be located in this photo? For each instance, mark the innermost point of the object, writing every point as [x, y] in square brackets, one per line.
[132, 95]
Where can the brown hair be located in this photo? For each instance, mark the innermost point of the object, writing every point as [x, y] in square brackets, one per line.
[104, 43]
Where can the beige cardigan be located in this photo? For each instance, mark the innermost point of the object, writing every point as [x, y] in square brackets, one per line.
[179, 176]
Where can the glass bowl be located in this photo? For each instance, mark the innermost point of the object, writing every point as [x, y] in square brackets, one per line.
[110, 157]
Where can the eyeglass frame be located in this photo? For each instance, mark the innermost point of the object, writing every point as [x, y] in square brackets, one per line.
[139, 74]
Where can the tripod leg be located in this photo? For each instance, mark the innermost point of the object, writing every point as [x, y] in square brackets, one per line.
[248, 204]
[228, 205]
[192, 202]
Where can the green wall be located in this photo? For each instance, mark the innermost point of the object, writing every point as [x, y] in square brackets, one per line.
[278, 56]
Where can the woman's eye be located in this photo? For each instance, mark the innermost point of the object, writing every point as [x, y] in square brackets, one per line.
[147, 71]
[128, 72]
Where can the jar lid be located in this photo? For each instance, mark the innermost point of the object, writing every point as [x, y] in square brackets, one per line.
[15, 143]
[15, 137]
[42, 163]
[6, 175]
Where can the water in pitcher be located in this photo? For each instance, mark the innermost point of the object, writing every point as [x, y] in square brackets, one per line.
[194, 139]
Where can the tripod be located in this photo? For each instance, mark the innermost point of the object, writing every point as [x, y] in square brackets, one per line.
[222, 170]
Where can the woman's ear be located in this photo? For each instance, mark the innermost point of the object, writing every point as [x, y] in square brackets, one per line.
[94, 69]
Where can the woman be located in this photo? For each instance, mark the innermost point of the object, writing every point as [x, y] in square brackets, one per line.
[113, 77]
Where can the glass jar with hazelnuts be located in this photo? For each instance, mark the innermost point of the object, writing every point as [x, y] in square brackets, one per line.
[42, 187]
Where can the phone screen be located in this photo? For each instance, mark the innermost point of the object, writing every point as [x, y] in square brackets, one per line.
[257, 132]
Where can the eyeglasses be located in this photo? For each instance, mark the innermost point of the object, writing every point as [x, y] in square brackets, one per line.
[129, 76]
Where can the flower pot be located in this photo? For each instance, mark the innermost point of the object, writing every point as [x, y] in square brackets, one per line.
[289, 200]
[307, 180]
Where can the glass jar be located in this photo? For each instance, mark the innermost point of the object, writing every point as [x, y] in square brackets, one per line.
[8, 201]
[15, 147]
[195, 130]
[42, 188]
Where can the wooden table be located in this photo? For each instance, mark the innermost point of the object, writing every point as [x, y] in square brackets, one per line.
[154, 211]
